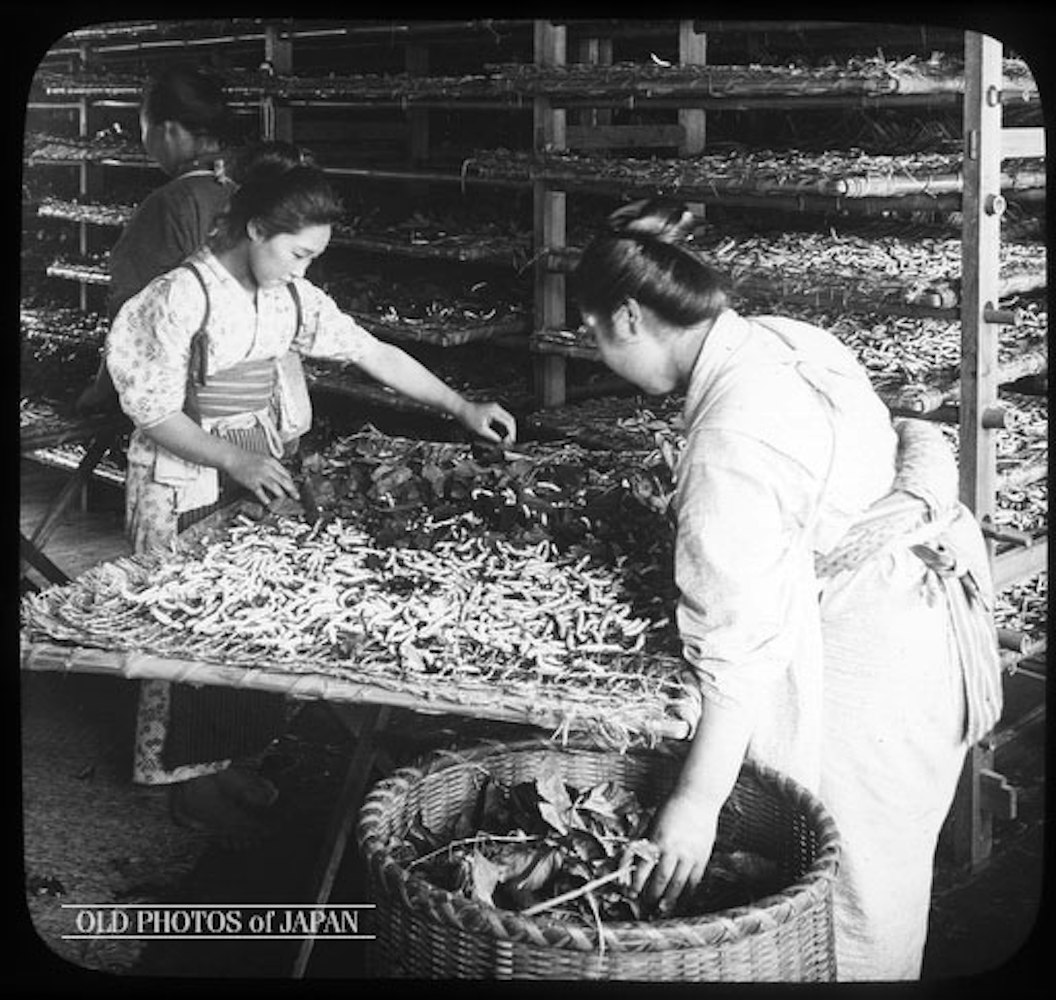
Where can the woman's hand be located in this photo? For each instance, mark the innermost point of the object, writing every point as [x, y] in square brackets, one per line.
[264, 476]
[684, 831]
[490, 421]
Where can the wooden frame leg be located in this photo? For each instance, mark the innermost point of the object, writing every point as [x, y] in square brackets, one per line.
[30, 553]
[71, 489]
[365, 724]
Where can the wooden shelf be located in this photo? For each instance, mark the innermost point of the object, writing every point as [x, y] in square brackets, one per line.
[506, 252]
[885, 275]
[94, 213]
[846, 176]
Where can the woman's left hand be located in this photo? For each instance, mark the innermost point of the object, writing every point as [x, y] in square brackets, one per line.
[490, 421]
[684, 831]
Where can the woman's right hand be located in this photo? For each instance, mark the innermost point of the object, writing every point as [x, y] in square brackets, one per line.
[264, 476]
[684, 831]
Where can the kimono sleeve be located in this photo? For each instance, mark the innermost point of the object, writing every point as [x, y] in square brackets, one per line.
[326, 331]
[742, 568]
[148, 347]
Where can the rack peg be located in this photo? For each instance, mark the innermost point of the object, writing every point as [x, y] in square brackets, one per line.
[1001, 317]
[995, 204]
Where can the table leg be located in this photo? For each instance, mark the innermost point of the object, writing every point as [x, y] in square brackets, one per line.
[371, 720]
[95, 453]
[40, 562]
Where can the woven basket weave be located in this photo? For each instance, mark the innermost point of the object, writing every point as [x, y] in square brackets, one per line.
[427, 932]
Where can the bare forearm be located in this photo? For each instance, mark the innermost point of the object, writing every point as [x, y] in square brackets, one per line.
[263, 475]
[185, 439]
[715, 755]
[405, 374]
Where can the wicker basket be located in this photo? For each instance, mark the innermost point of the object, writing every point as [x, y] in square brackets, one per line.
[427, 932]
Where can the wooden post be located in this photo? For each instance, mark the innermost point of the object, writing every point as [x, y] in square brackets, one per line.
[594, 52]
[692, 51]
[416, 63]
[550, 45]
[87, 176]
[277, 119]
[980, 263]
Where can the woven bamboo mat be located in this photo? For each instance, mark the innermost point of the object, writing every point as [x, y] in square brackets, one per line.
[408, 662]
[871, 77]
[849, 174]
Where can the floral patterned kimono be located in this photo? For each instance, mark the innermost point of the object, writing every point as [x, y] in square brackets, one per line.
[868, 671]
[183, 732]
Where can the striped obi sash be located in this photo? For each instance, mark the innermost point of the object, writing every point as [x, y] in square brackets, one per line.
[245, 387]
[237, 404]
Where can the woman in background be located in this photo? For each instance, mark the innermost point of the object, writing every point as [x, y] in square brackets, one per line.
[193, 358]
[834, 596]
[185, 125]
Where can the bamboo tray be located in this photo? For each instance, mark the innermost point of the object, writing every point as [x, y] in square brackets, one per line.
[44, 427]
[848, 175]
[43, 148]
[52, 640]
[463, 247]
[874, 77]
[89, 272]
[99, 214]
[61, 323]
[878, 273]
[450, 334]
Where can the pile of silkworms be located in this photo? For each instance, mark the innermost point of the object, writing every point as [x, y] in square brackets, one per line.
[473, 616]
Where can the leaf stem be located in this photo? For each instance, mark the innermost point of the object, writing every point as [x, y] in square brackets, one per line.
[478, 839]
[565, 897]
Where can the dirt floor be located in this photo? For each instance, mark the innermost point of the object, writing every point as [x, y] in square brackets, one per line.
[91, 837]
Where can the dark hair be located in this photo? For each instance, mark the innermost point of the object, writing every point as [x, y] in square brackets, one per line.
[643, 256]
[278, 187]
[192, 98]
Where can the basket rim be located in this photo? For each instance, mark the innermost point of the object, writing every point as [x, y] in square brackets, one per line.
[729, 924]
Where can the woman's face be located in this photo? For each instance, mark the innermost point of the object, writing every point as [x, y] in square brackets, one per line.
[168, 144]
[278, 259]
[631, 347]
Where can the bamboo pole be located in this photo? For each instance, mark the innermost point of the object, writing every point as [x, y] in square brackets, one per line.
[440, 699]
[549, 217]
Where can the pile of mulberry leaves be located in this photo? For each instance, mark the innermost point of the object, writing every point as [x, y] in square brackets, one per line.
[522, 845]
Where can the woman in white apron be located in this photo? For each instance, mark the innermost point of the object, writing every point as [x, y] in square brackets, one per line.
[834, 596]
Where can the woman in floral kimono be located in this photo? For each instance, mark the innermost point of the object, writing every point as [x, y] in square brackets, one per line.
[193, 358]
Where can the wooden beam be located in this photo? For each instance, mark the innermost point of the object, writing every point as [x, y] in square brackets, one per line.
[550, 43]
[692, 51]
[594, 51]
[617, 136]
[416, 63]
[998, 796]
[371, 720]
[1022, 142]
[1020, 563]
[971, 826]
[277, 119]
[980, 256]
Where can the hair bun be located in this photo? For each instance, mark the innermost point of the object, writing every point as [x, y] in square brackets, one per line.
[662, 219]
[269, 159]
